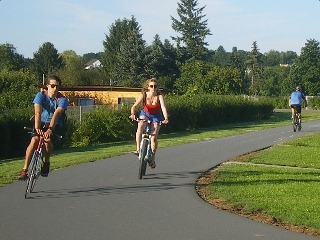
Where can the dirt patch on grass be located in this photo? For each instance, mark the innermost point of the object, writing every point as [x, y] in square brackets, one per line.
[209, 177]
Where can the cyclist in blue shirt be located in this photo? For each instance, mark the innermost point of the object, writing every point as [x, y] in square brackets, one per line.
[49, 107]
[295, 101]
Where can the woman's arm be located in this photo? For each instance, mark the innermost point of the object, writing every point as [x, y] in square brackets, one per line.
[133, 108]
[164, 109]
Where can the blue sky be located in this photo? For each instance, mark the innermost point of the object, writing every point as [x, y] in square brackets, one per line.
[81, 25]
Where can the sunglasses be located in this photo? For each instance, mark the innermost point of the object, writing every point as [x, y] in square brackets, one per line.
[53, 85]
[153, 86]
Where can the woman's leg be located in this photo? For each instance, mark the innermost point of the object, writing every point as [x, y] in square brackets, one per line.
[154, 137]
[141, 125]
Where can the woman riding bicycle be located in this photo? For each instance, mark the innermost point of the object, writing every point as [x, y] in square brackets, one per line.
[154, 109]
[48, 108]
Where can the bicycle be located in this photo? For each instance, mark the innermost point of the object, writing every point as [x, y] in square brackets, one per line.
[145, 153]
[34, 168]
[36, 162]
[296, 121]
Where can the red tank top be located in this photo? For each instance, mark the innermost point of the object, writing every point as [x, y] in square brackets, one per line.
[152, 109]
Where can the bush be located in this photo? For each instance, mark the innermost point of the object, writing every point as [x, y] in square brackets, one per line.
[103, 125]
[14, 138]
[314, 103]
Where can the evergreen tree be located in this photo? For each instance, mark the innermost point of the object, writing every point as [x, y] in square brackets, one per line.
[124, 51]
[160, 59]
[254, 69]
[46, 60]
[193, 30]
[130, 60]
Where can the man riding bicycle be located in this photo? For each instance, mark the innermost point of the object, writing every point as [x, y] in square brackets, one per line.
[295, 101]
[49, 106]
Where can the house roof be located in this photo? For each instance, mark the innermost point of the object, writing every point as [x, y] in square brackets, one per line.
[91, 62]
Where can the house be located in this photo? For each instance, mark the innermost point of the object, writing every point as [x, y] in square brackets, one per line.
[94, 63]
[100, 95]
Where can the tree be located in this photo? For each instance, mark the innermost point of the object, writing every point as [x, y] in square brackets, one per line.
[275, 81]
[275, 58]
[46, 60]
[73, 71]
[10, 59]
[89, 56]
[305, 70]
[16, 89]
[238, 60]
[124, 53]
[198, 77]
[193, 30]
[221, 57]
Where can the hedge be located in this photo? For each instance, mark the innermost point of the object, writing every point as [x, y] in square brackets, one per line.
[108, 125]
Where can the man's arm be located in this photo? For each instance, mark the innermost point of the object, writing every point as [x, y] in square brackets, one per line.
[37, 118]
[57, 113]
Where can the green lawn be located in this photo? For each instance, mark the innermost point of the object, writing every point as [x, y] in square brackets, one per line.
[282, 183]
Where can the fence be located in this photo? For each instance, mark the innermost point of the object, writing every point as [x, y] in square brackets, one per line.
[78, 113]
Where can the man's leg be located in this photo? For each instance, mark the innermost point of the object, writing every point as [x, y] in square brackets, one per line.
[46, 164]
[29, 152]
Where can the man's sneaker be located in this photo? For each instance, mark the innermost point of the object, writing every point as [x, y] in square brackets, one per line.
[23, 175]
[45, 169]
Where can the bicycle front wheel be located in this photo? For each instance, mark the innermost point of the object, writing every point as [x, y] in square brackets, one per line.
[32, 173]
[142, 156]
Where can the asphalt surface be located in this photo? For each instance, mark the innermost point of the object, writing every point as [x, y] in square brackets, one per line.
[106, 200]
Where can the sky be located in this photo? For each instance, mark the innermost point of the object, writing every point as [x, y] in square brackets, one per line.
[82, 25]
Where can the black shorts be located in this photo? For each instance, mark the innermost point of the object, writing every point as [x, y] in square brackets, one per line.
[297, 107]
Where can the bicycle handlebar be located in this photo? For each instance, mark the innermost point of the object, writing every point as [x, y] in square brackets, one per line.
[32, 131]
[147, 120]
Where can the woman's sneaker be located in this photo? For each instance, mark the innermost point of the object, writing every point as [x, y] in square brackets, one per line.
[151, 161]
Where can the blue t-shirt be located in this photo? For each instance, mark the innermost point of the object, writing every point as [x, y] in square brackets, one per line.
[296, 98]
[49, 105]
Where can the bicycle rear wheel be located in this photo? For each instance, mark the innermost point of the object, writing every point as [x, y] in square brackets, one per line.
[142, 160]
[294, 122]
[299, 124]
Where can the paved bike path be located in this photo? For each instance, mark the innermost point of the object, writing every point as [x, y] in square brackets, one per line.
[106, 200]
